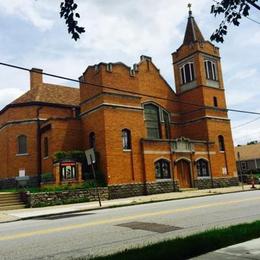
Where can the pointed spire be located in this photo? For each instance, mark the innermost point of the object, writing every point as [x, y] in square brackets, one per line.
[193, 33]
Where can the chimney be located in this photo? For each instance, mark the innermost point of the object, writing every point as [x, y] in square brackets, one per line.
[35, 77]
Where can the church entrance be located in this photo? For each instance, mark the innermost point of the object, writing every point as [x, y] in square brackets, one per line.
[184, 173]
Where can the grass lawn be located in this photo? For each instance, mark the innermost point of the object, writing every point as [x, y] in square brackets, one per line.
[193, 245]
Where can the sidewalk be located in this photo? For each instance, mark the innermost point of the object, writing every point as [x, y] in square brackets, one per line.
[21, 214]
[246, 250]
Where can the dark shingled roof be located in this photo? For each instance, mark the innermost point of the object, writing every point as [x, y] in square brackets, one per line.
[49, 93]
[193, 33]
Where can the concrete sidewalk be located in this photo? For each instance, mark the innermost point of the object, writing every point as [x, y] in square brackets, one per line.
[246, 250]
[21, 214]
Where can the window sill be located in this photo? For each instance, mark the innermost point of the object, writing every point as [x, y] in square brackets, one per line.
[22, 154]
[203, 177]
[163, 180]
[127, 150]
[45, 158]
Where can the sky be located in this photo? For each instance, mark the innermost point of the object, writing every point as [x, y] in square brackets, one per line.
[33, 35]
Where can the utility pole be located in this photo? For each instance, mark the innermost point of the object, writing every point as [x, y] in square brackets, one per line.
[240, 170]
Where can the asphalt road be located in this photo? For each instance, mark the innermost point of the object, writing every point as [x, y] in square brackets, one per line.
[110, 230]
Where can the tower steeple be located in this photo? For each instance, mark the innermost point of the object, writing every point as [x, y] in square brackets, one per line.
[196, 62]
[193, 33]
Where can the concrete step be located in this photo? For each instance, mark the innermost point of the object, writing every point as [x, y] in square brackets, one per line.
[10, 207]
[10, 201]
[9, 197]
[7, 203]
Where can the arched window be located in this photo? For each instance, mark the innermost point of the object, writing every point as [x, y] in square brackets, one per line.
[187, 72]
[221, 143]
[215, 101]
[46, 147]
[92, 140]
[162, 169]
[22, 144]
[126, 139]
[211, 70]
[202, 168]
[152, 121]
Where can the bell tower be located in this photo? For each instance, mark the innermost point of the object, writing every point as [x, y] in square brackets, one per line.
[197, 61]
[200, 89]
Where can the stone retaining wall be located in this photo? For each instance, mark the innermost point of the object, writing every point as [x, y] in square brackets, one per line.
[139, 189]
[217, 183]
[65, 197]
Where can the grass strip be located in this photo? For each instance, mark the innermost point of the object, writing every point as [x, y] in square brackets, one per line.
[191, 246]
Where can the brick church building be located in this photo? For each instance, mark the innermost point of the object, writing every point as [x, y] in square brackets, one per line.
[149, 138]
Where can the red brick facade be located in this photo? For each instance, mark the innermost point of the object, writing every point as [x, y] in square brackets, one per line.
[112, 97]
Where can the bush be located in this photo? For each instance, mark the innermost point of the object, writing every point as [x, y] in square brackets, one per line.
[47, 177]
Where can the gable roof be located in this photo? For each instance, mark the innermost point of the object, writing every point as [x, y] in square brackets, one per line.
[50, 93]
[248, 152]
[192, 33]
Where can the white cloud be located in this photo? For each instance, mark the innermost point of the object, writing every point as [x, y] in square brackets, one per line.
[9, 94]
[36, 12]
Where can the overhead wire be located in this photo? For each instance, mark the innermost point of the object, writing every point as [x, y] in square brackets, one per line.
[131, 92]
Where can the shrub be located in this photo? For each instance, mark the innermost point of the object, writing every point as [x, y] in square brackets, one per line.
[47, 177]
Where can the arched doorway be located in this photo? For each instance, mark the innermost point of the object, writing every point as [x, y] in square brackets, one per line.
[184, 173]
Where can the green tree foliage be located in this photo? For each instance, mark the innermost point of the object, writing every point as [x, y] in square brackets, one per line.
[233, 11]
[68, 12]
[252, 142]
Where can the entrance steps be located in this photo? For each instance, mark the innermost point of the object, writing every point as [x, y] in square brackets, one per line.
[10, 200]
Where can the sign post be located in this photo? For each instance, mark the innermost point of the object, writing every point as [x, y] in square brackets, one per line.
[91, 159]
[240, 170]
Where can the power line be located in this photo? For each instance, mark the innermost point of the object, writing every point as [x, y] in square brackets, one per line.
[252, 20]
[131, 92]
[247, 123]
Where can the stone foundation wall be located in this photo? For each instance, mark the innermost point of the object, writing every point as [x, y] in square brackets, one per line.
[162, 187]
[65, 197]
[11, 183]
[126, 190]
[217, 183]
[131, 190]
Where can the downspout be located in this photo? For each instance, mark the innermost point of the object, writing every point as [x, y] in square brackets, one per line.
[171, 157]
[210, 167]
[39, 148]
[143, 161]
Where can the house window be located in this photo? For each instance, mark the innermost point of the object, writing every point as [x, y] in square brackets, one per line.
[187, 73]
[22, 144]
[126, 139]
[211, 70]
[46, 147]
[152, 121]
[221, 143]
[92, 140]
[244, 166]
[215, 101]
[162, 169]
[202, 168]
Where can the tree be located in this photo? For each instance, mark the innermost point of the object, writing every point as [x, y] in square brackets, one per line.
[233, 11]
[68, 12]
[252, 142]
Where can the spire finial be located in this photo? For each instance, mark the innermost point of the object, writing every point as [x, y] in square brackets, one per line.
[190, 12]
